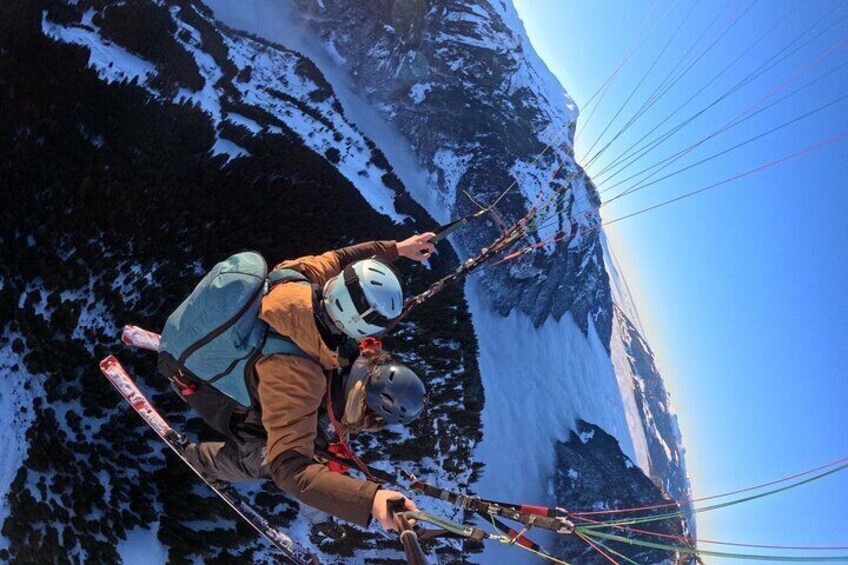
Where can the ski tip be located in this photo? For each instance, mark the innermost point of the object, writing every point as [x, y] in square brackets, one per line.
[141, 338]
[126, 334]
[108, 363]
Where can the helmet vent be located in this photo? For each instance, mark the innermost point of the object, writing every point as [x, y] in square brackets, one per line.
[376, 283]
[392, 375]
[393, 303]
[376, 271]
[339, 305]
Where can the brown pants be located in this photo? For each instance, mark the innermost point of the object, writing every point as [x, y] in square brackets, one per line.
[239, 462]
[230, 462]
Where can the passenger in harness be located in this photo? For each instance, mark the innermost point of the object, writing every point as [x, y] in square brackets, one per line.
[369, 392]
[265, 376]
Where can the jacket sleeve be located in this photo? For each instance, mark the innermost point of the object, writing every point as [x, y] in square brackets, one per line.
[291, 390]
[313, 484]
[321, 268]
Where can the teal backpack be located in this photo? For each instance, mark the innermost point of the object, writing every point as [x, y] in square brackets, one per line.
[215, 336]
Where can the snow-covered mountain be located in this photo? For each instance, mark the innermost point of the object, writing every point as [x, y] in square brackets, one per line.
[162, 118]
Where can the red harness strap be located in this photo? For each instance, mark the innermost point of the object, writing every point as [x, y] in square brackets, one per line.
[186, 389]
[341, 451]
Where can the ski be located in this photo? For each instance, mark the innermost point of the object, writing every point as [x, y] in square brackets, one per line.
[124, 383]
[138, 337]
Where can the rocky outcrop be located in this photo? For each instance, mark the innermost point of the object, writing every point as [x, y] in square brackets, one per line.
[593, 474]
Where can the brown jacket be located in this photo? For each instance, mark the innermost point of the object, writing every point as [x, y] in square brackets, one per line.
[291, 389]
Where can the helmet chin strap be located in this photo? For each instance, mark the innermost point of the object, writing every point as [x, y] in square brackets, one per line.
[325, 319]
[330, 334]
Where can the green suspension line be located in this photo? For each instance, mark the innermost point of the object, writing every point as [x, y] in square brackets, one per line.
[705, 552]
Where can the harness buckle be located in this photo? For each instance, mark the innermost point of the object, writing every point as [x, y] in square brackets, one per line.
[566, 526]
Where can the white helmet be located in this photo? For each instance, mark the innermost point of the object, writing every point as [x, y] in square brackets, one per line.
[364, 298]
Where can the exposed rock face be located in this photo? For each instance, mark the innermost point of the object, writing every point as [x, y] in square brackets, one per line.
[593, 474]
[462, 83]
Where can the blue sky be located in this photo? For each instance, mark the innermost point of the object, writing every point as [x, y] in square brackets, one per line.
[742, 289]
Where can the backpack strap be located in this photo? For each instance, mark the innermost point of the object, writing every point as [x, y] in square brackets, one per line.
[279, 276]
[278, 344]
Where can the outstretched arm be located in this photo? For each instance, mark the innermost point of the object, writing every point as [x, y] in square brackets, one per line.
[290, 391]
[417, 248]
[314, 484]
[321, 268]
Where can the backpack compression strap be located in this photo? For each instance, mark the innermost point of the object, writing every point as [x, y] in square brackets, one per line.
[279, 276]
[278, 344]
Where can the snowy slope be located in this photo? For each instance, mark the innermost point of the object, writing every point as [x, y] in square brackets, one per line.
[646, 398]
[538, 383]
[271, 78]
[277, 22]
[461, 87]
[213, 122]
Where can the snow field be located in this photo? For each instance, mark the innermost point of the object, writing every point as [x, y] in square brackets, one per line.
[537, 382]
[275, 70]
[112, 62]
[142, 547]
[272, 68]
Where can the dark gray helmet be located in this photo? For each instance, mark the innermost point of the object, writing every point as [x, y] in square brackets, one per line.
[395, 393]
